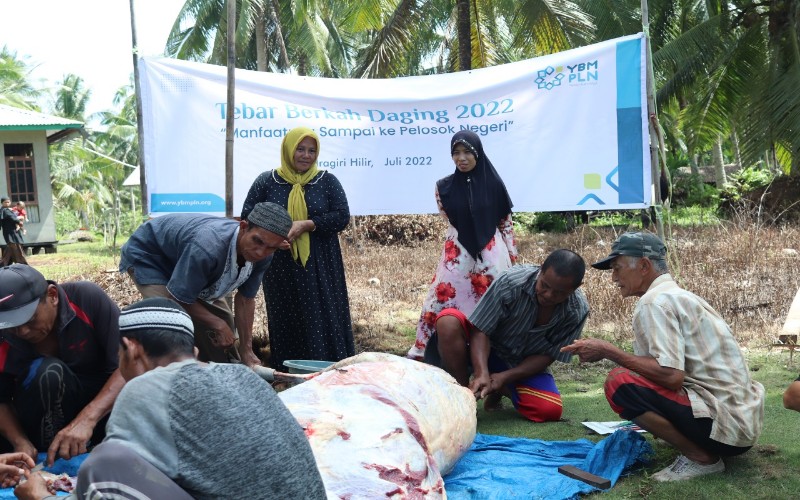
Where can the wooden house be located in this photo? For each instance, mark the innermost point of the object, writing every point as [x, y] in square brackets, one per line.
[24, 139]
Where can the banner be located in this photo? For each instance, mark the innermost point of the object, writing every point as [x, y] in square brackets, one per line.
[567, 131]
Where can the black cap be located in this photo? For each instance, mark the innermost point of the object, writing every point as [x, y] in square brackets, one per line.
[634, 244]
[21, 288]
[271, 217]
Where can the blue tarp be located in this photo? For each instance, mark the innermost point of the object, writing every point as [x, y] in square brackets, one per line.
[499, 468]
[60, 466]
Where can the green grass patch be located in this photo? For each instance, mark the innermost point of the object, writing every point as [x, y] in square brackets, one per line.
[692, 216]
[768, 471]
[408, 331]
[81, 259]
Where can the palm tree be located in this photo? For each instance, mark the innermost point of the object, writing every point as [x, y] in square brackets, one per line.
[15, 81]
[71, 98]
[77, 182]
[200, 32]
[464, 31]
[467, 34]
[738, 63]
[373, 38]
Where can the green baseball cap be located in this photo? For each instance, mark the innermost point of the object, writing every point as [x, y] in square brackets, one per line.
[634, 245]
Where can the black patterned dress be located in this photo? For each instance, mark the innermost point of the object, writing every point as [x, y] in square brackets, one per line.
[307, 307]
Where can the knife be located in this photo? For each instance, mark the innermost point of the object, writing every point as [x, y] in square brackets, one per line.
[36, 468]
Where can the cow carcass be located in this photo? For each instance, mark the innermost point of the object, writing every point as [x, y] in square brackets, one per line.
[382, 426]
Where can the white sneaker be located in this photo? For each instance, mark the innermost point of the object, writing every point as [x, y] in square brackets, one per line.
[683, 468]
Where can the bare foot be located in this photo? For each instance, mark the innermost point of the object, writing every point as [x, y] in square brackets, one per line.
[493, 402]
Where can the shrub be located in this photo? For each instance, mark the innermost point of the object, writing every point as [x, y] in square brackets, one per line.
[129, 221]
[66, 221]
[396, 229]
[546, 222]
[691, 190]
[746, 180]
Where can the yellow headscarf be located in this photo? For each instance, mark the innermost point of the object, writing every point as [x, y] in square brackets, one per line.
[297, 208]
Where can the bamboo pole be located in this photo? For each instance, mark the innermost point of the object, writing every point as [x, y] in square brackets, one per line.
[139, 125]
[229, 109]
[652, 125]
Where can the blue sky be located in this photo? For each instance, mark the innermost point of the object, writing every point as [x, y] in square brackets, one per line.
[91, 38]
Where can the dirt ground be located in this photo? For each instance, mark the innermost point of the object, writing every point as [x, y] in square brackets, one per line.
[749, 273]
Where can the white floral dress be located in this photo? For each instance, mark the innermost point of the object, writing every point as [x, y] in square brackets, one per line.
[460, 281]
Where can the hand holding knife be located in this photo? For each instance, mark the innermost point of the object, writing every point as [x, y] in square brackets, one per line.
[36, 468]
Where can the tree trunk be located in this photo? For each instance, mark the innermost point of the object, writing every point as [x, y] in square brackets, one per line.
[719, 164]
[273, 12]
[116, 218]
[464, 31]
[261, 40]
[301, 64]
[84, 217]
[737, 153]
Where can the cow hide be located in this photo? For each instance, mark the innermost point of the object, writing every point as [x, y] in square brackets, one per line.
[382, 426]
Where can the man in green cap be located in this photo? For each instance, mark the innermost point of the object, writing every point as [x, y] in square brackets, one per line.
[686, 382]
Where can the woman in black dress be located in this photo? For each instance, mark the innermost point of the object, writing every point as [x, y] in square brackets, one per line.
[307, 306]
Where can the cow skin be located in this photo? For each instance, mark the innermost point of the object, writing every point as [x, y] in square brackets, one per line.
[382, 426]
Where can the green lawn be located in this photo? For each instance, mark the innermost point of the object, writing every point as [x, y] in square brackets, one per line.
[771, 470]
[76, 260]
[768, 471]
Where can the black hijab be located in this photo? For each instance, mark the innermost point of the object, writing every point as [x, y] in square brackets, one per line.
[474, 201]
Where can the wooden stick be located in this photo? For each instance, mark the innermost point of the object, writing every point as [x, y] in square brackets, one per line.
[586, 477]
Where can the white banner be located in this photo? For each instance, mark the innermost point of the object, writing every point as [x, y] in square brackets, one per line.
[566, 131]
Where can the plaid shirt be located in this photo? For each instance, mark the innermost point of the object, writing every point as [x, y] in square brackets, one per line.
[681, 331]
[507, 315]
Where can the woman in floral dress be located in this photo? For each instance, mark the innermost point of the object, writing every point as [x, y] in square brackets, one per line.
[479, 243]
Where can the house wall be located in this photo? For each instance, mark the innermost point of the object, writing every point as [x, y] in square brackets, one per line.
[44, 230]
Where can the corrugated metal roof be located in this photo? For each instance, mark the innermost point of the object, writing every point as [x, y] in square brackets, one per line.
[21, 119]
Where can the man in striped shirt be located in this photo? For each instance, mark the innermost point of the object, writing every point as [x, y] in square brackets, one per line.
[515, 332]
[686, 382]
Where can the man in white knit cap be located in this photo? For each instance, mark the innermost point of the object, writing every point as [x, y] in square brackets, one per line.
[182, 429]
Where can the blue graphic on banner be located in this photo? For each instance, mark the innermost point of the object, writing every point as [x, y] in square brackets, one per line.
[610, 179]
[629, 122]
[546, 80]
[591, 196]
[186, 202]
[627, 177]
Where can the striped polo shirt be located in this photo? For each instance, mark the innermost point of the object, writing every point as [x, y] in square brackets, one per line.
[507, 315]
[682, 331]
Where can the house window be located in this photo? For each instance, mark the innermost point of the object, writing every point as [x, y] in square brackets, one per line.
[21, 177]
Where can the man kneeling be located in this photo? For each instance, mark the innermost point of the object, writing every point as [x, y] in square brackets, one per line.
[515, 332]
[686, 382]
[185, 429]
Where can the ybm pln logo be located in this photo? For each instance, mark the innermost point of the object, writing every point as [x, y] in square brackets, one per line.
[585, 73]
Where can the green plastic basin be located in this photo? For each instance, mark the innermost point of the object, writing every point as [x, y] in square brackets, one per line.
[306, 365]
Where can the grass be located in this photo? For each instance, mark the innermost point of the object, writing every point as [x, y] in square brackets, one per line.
[742, 270]
[768, 471]
[76, 261]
